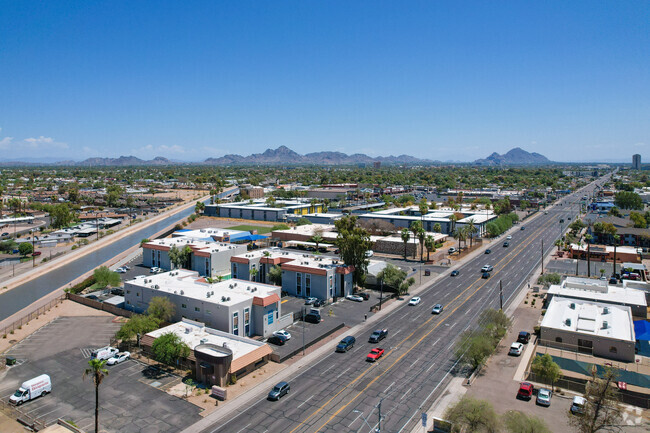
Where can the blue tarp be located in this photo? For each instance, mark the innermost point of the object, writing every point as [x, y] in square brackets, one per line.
[253, 237]
[642, 330]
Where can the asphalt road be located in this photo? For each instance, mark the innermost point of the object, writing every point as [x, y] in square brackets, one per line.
[20, 297]
[341, 391]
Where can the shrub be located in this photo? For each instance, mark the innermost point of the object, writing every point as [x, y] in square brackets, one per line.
[537, 329]
[74, 247]
[233, 379]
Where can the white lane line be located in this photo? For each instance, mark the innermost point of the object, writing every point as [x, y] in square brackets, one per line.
[354, 420]
[305, 401]
[343, 372]
[432, 365]
[328, 369]
[389, 386]
[404, 395]
[247, 425]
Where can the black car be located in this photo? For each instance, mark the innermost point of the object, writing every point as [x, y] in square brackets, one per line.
[117, 291]
[346, 344]
[318, 303]
[488, 251]
[506, 244]
[522, 228]
[279, 390]
[454, 273]
[312, 318]
[364, 295]
[485, 275]
[378, 335]
[523, 337]
[278, 340]
[613, 280]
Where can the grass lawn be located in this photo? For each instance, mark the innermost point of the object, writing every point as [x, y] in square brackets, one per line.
[247, 228]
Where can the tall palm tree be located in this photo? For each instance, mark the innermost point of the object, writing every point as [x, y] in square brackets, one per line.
[588, 238]
[453, 218]
[430, 244]
[416, 227]
[471, 229]
[406, 235]
[617, 240]
[98, 372]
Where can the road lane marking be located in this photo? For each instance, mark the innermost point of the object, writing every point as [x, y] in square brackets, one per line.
[404, 395]
[247, 425]
[305, 401]
[343, 372]
[354, 420]
[389, 386]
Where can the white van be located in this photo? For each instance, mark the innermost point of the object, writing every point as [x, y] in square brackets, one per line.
[104, 353]
[578, 405]
[31, 389]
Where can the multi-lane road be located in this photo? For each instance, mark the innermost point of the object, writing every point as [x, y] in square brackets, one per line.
[341, 392]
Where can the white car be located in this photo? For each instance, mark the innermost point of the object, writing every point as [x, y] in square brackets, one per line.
[104, 353]
[437, 309]
[120, 270]
[369, 253]
[118, 358]
[516, 349]
[415, 300]
[155, 270]
[508, 237]
[282, 333]
[355, 298]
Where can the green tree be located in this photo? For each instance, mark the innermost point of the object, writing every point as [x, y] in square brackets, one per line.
[61, 215]
[549, 279]
[424, 208]
[253, 272]
[406, 236]
[628, 200]
[471, 230]
[546, 369]
[199, 208]
[430, 244]
[418, 230]
[161, 308]
[275, 275]
[614, 212]
[353, 242]
[97, 371]
[472, 415]
[453, 218]
[519, 422]
[602, 411]
[303, 222]
[25, 248]
[437, 228]
[104, 277]
[169, 349]
[7, 246]
[395, 278]
[473, 349]
[144, 241]
[638, 220]
[137, 324]
[180, 257]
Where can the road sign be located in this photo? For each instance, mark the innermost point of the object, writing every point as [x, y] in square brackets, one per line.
[424, 419]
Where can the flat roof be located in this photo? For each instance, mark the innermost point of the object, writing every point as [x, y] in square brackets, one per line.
[607, 248]
[590, 318]
[291, 258]
[195, 244]
[188, 283]
[206, 233]
[598, 290]
[196, 333]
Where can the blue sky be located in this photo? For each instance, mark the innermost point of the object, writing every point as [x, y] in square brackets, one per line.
[449, 80]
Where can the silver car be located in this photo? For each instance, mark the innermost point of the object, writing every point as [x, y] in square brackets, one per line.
[544, 397]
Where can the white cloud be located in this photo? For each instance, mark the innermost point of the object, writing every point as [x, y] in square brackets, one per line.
[6, 142]
[640, 144]
[43, 143]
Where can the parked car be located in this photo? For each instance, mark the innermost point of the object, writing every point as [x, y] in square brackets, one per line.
[36, 253]
[118, 358]
[355, 298]
[613, 280]
[283, 333]
[516, 349]
[346, 344]
[5, 234]
[364, 295]
[279, 390]
[120, 270]
[310, 301]
[378, 335]
[318, 303]
[155, 270]
[451, 250]
[523, 337]
[487, 268]
[127, 267]
[485, 275]
[278, 340]
[522, 228]
[526, 390]
[375, 354]
[488, 251]
[117, 291]
[543, 397]
[578, 405]
[455, 273]
[312, 318]
[437, 309]
[369, 253]
[415, 300]
[30, 389]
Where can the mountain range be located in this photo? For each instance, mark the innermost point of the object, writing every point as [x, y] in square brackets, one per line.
[285, 156]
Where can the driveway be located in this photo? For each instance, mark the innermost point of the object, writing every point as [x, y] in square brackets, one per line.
[130, 398]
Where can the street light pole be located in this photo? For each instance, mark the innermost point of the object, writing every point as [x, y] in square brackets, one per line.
[303, 331]
[500, 295]
[542, 256]
[381, 293]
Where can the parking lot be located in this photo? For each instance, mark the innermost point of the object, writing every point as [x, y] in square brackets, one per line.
[131, 399]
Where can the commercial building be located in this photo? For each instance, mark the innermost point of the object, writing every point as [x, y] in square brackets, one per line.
[636, 162]
[218, 235]
[215, 355]
[604, 253]
[253, 192]
[237, 307]
[317, 218]
[303, 275]
[595, 328]
[259, 210]
[588, 289]
[210, 259]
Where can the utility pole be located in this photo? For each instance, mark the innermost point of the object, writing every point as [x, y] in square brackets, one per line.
[542, 256]
[379, 423]
[33, 250]
[500, 295]
[303, 331]
[381, 293]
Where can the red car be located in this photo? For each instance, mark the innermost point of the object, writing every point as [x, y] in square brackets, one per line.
[375, 354]
[525, 391]
[36, 253]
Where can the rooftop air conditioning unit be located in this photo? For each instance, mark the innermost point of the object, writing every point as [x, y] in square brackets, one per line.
[230, 285]
[223, 299]
[228, 298]
[605, 311]
[207, 295]
[605, 324]
[567, 322]
[204, 340]
[212, 293]
[182, 292]
[175, 292]
[157, 287]
[572, 306]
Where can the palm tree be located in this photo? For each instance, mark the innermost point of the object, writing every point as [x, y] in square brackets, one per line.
[424, 208]
[253, 273]
[437, 228]
[617, 240]
[98, 372]
[588, 238]
[471, 229]
[453, 218]
[406, 235]
[317, 239]
[430, 243]
[416, 227]
[421, 235]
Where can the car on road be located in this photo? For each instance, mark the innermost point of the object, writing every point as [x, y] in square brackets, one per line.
[578, 405]
[378, 335]
[523, 228]
[437, 309]
[526, 390]
[364, 295]
[485, 275]
[487, 268]
[346, 344]
[543, 397]
[603, 278]
[278, 340]
[283, 333]
[118, 358]
[523, 337]
[455, 273]
[36, 253]
[415, 300]
[312, 318]
[509, 237]
[5, 234]
[155, 270]
[375, 354]
[488, 251]
[120, 270]
[355, 298]
[310, 301]
[279, 390]
[506, 244]
[516, 349]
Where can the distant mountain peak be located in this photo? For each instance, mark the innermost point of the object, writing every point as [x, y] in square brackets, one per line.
[515, 156]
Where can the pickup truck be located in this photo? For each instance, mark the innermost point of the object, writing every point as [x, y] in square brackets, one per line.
[378, 335]
[375, 354]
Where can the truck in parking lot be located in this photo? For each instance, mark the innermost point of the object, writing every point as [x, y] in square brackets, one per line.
[30, 389]
[104, 353]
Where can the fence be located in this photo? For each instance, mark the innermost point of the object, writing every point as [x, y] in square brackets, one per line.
[9, 329]
[100, 305]
[14, 413]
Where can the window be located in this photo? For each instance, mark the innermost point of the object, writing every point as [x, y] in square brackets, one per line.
[307, 284]
[183, 305]
[207, 267]
[208, 312]
[298, 283]
[234, 269]
[137, 293]
[247, 322]
[158, 258]
[128, 291]
[197, 309]
[558, 339]
[153, 258]
[235, 323]
[613, 349]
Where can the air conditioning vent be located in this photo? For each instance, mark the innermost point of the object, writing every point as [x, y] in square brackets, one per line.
[567, 322]
[605, 311]
[182, 292]
[605, 324]
[572, 306]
